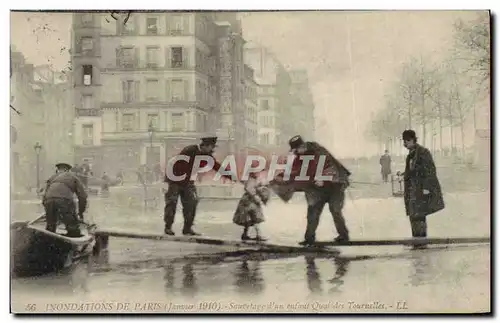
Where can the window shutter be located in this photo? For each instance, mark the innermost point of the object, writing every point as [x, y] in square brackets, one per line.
[137, 25]
[186, 90]
[185, 56]
[119, 27]
[124, 91]
[136, 57]
[118, 57]
[137, 91]
[185, 21]
[168, 57]
[167, 24]
[168, 93]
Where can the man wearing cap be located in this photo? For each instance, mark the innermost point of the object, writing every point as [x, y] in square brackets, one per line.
[186, 188]
[58, 200]
[320, 192]
[422, 191]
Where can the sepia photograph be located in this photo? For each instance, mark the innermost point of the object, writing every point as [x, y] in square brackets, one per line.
[250, 162]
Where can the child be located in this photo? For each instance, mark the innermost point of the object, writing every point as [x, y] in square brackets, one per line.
[249, 211]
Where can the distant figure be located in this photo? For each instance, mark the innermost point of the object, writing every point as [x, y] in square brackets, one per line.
[105, 183]
[58, 200]
[422, 191]
[249, 212]
[119, 176]
[385, 166]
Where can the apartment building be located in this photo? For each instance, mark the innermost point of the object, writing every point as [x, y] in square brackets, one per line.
[302, 105]
[251, 109]
[144, 89]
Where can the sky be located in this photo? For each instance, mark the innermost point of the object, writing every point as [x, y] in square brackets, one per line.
[352, 58]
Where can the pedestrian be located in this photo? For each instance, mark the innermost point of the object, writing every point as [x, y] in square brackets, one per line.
[186, 188]
[422, 191]
[319, 192]
[58, 200]
[249, 212]
[385, 166]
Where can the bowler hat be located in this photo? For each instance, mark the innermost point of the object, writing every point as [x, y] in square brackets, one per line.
[295, 142]
[409, 135]
[63, 166]
[209, 140]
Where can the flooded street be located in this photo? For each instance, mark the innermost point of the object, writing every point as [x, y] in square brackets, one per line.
[174, 277]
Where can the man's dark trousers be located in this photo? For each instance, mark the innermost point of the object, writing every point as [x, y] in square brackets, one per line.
[189, 200]
[334, 195]
[62, 209]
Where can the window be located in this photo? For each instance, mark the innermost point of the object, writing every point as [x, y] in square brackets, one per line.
[264, 104]
[152, 90]
[126, 57]
[178, 123]
[128, 122]
[176, 25]
[87, 45]
[128, 28]
[130, 91]
[87, 74]
[176, 57]
[152, 26]
[153, 120]
[86, 18]
[178, 90]
[87, 134]
[87, 101]
[152, 56]
[264, 138]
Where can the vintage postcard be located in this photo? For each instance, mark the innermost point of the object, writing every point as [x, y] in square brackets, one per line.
[250, 162]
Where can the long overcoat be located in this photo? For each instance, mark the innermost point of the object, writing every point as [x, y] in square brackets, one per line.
[420, 174]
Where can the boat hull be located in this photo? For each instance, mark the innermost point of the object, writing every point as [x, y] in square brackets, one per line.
[35, 251]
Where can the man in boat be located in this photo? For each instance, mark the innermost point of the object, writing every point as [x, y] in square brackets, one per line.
[320, 192]
[58, 200]
[422, 191]
[186, 188]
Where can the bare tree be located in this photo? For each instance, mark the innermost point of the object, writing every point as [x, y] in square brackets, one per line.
[472, 50]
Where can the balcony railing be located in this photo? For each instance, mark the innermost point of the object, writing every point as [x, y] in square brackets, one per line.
[88, 112]
[149, 66]
[139, 104]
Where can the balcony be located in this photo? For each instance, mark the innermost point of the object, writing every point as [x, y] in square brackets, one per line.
[88, 112]
[141, 104]
[173, 66]
[160, 134]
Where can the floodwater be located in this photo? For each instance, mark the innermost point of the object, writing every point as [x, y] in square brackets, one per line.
[160, 277]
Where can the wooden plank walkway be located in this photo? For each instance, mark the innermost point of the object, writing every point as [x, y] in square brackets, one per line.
[317, 245]
[406, 242]
[272, 247]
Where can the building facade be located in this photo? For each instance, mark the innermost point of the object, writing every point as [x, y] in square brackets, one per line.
[154, 87]
[274, 96]
[42, 98]
[302, 105]
[251, 109]
[146, 88]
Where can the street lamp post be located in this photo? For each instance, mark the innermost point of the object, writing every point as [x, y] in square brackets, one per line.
[38, 148]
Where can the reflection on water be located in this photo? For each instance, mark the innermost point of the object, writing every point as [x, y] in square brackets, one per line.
[314, 281]
[257, 276]
[248, 278]
[342, 265]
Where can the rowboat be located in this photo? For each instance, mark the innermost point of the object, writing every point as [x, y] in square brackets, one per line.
[36, 251]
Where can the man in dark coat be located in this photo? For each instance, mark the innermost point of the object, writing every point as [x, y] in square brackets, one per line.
[186, 188]
[320, 192]
[385, 165]
[58, 200]
[422, 191]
